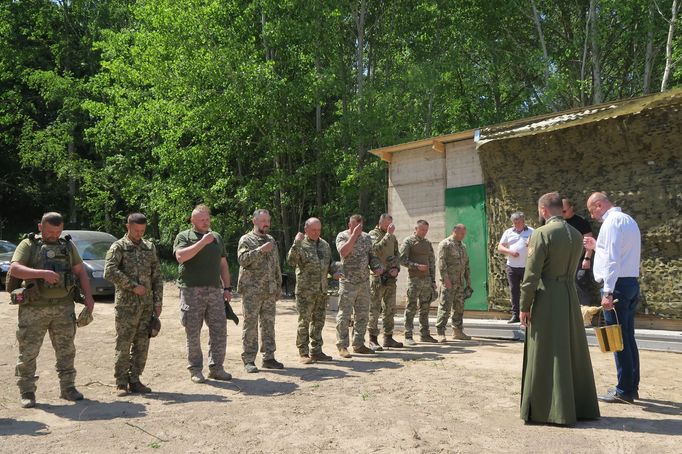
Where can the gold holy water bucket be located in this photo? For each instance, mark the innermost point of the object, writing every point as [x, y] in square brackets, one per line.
[610, 337]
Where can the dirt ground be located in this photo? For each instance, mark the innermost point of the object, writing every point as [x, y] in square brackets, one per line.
[457, 397]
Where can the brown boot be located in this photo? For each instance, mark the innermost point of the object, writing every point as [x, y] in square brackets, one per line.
[121, 390]
[374, 344]
[389, 342]
[320, 357]
[138, 388]
[428, 338]
[441, 338]
[459, 335]
[343, 353]
[362, 350]
[305, 359]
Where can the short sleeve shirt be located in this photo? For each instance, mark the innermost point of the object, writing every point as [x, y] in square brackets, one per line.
[202, 270]
[517, 241]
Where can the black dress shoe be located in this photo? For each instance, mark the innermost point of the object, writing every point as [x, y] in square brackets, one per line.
[612, 397]
[514, 319]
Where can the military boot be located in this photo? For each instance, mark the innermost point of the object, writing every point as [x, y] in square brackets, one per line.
[441, 337]
[28, 400]
[197, 377]
[121, 390]
[138, 388]
[374, 344]
[305, 359]
[389, 342]
[459, 334]
[219, 374]
[427, 338]
[343, 352]
[71, 393]
[272, 364]
[250, 368]
[321, 356]
[362, 350]
[409, 341]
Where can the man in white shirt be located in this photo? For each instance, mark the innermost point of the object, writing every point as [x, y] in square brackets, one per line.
[514, 244]
[616, 266]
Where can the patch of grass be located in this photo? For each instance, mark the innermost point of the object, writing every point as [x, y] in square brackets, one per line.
[155, 445]
[169, 270]
[364, 395]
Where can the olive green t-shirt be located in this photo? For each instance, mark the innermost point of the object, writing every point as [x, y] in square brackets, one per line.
[202, 270]
[22, 254]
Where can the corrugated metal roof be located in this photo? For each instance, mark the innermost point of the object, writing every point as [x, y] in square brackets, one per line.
[576, 117]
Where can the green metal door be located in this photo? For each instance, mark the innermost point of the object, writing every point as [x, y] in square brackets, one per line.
[466, 206]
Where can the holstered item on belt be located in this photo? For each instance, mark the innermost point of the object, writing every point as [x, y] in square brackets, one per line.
[19, 296]
[24, 295]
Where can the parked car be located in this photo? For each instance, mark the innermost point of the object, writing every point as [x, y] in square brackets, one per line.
[92, 247]
[6, 253]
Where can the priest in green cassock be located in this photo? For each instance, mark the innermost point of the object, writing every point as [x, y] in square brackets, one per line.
[557, 384]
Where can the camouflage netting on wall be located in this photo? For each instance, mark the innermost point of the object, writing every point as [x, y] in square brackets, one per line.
[636, 159]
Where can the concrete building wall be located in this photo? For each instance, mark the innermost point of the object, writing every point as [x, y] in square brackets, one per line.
[462, 165]
[416, 190]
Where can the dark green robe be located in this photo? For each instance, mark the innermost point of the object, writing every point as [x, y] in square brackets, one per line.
[557, 384]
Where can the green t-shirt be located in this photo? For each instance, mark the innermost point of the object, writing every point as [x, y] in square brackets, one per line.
[202, 270]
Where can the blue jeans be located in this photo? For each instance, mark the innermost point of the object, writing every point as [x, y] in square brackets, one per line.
[627, 360]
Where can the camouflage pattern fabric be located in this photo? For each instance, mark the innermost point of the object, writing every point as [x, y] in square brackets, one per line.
[313, 263]
[382, 303]
[59, 321]
[415, 251]
[357, 263]
[353, 300]
[453, 261]
[260, 284]
[383, 291]
[127, 265]
[419, 297]
[196, 305]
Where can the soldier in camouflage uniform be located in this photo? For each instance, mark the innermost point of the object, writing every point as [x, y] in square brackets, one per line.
[132, 265]
[453, 266]
[204, 282]
[46, 264]
[260, 284]
[383, 288]
[357, 254]
[312, 258]
[416, 254]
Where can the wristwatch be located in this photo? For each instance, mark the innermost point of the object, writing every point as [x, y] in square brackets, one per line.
[229, 289]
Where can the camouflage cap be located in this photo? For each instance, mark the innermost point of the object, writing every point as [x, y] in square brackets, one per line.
[84, 318]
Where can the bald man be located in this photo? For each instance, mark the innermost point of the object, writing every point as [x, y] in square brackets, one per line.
[204, 281]
[617, 252]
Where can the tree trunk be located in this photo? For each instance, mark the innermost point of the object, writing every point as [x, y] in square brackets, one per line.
[363, 197]
[649, 53]
[669, 47]
[597, 95]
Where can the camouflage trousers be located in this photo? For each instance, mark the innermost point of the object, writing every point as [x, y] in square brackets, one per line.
[419, 295]
[132, 340]
[353, 300]
[59, 321]
[382, 303]
[311, 315]
[199, 304]
[450, 299]
[259, 309]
